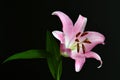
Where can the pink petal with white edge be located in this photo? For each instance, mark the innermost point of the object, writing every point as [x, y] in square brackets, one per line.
[59, 35]
[79, 63]
[95, 38]
[66, 22]
[80, 24]
[95, 56]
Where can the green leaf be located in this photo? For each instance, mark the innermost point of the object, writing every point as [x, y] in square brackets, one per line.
[52, 66]
[55, 67]
[52, 46]
[54, 57]
[30, 54]
[59, 72]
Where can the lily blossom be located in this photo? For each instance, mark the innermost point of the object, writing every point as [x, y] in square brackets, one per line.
[75, 43]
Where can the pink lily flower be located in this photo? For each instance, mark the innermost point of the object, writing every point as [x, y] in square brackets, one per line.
[75, 43]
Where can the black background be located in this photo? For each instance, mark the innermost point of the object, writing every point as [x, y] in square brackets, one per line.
[24, 26]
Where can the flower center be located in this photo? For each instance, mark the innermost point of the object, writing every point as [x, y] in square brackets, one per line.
[79, 44]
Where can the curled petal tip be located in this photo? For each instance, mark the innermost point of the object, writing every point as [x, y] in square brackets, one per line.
[103, 43]
[54, 13]
[100, 64]
[77, 70]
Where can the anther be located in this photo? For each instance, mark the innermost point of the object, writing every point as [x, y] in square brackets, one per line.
[76, 40]
[83, 34]
[87, 41]
[78, 47]
[78, 34]
[83, 48]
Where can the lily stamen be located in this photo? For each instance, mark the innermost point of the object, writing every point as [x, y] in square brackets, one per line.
[83, 34]
[83, 48]
[87, 41]
[78, 47]
[78, 34]
[77, 40]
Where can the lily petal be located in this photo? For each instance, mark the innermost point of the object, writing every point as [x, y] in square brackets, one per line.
[79, 64]
[95, 56]
[78, 28]
[80, 24]
[59, 35]
[95, 38]
[66, 22]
